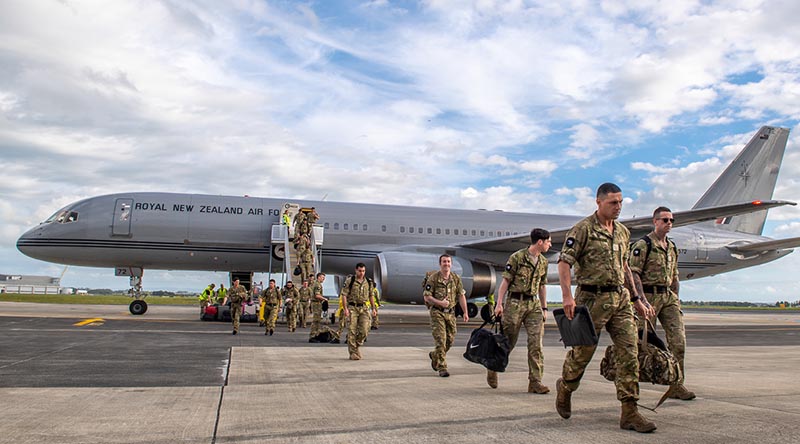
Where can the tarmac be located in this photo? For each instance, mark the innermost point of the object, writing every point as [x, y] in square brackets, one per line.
[167, 377]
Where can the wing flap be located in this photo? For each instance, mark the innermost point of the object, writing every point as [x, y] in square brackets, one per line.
[756, 247]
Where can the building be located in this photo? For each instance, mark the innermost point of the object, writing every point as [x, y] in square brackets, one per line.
[16, 283]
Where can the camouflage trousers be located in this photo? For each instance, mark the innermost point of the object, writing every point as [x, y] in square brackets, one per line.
[614, 312]
[668, 311]
[375, 321]
[270, 316]
[342, 322]
[236, 311]
[302, 313]
[359, 327]
[316, 319]
[517, 313]
[443, 329]
[291, 317]
[306, 270]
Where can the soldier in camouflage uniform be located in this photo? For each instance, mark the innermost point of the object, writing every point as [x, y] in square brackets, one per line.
[524, 279]
[271, 300]
[357, 299]
[316, 305]
[441, 290]
[597, 247]
[291, 302]
[237, 295]
[655, 274]
[304, 304]
[300, 224]
[306, 256]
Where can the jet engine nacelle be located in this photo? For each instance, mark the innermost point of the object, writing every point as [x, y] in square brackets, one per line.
[399, 275]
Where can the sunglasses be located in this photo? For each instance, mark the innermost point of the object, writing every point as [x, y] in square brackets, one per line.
[667, 220]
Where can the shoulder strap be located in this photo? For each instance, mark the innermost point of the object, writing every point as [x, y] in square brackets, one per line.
[352, 278]
[649, 243]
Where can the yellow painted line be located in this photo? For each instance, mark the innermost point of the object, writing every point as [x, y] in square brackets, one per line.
[89, 321]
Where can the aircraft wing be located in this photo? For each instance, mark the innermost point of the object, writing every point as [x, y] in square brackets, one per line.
[639, 226]
[758, 247]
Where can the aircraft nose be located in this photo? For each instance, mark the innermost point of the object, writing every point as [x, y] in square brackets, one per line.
[27, 241]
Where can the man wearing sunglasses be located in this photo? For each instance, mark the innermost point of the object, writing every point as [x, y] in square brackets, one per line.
[654, 263]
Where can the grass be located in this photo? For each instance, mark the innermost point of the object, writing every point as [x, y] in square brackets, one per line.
[117, 299]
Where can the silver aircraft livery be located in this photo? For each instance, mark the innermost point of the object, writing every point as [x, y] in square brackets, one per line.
[132, 232]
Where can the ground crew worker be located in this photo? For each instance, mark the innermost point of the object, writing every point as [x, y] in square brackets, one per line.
[306, 260]
[524, 278]
[597, 247]
[271, 301]
[291, 301]
[205, 298]
[222, 294]
[305, 302]
[377, 297]
[441, 290]
[316, 305]
[654, 264]
[357, 299]
[237, 296]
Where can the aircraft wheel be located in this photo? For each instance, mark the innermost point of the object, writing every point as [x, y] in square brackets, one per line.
[138, 307]
[472, 309]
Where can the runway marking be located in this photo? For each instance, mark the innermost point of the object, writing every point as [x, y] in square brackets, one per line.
[92, 321]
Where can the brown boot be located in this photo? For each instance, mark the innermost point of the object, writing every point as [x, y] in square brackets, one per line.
[563, 399]
[354, 357]
[681, 392]
[491, 378]
[631, 419]
[538, 388]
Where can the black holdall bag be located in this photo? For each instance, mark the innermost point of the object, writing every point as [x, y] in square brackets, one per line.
[578, 331]
[488, 347]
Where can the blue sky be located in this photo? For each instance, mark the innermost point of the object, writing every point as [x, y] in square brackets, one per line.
[514, 105]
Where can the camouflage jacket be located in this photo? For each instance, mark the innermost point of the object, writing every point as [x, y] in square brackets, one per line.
[291, 293]
[316, 288]
[360, 291]
[304, 294]
[271, 296]
[598, 256]
[237, 295]
[525, 276]
[661, 267]
[441, 289]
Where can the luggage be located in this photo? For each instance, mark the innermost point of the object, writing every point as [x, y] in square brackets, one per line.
[224, 314]
[578, 331]
[248, 317]
[325, 336]
[210, 313]
[488, 348]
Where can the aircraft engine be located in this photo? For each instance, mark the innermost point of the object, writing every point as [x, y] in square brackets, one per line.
[399, 275]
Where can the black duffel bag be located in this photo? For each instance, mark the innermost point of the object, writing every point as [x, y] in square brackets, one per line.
[488, 347]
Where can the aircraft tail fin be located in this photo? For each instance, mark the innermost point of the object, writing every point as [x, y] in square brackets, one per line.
[750, 177]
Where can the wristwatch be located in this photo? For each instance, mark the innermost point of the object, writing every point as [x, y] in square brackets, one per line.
[544, 308]
[634, 298]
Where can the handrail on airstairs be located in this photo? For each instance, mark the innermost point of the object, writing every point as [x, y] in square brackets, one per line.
[280, 236]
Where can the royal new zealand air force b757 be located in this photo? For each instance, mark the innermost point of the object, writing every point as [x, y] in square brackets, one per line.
[132, 232]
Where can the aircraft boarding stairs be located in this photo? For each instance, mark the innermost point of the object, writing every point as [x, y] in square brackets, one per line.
[280, 239]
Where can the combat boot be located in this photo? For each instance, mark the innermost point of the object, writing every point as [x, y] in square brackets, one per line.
[631, 419]
[491, 378]
[433, 363]
[681, 392]
[538, 388]
[563, 399]
[354, 357]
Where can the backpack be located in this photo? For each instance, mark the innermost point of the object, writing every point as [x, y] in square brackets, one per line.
[488, 348]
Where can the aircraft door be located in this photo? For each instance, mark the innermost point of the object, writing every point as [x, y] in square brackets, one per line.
[702, 248]
[121, 225]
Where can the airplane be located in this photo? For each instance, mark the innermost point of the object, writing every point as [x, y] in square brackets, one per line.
[132, 232]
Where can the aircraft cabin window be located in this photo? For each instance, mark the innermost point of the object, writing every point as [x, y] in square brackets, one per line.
[355, 227]
[383, 228]
[419, 230]
[438, 231]
[344, 227]
[363, 227]
[508, 233]
[327, 225]
[336, 226]
[430, 230]
[411, 230]
[474, 233]
[446, 231]
[483, 233]
[402, 229]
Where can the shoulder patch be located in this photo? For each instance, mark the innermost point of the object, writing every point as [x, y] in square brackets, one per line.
[508, 267]
[637, 252]
[428, 287]
[570, 241]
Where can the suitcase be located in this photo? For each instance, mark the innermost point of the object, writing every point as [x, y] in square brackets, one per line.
[224, 314]
[210, 313]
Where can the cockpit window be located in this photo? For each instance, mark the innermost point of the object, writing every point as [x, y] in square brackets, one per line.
[63, 217]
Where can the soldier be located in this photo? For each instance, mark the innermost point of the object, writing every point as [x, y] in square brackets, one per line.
[441, 290]
[205, 298]
[316, 305]
[377, 297]
[524, 279]
[306, 259]
[237, 295]
[291, 300]
[597, 247]
[311, 218]
[357, 299]
[300, 224]
[304, 305]
[654, 264]
[222, 294]
[271, 301]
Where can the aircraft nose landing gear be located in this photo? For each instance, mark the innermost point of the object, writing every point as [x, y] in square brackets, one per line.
[138, 306]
